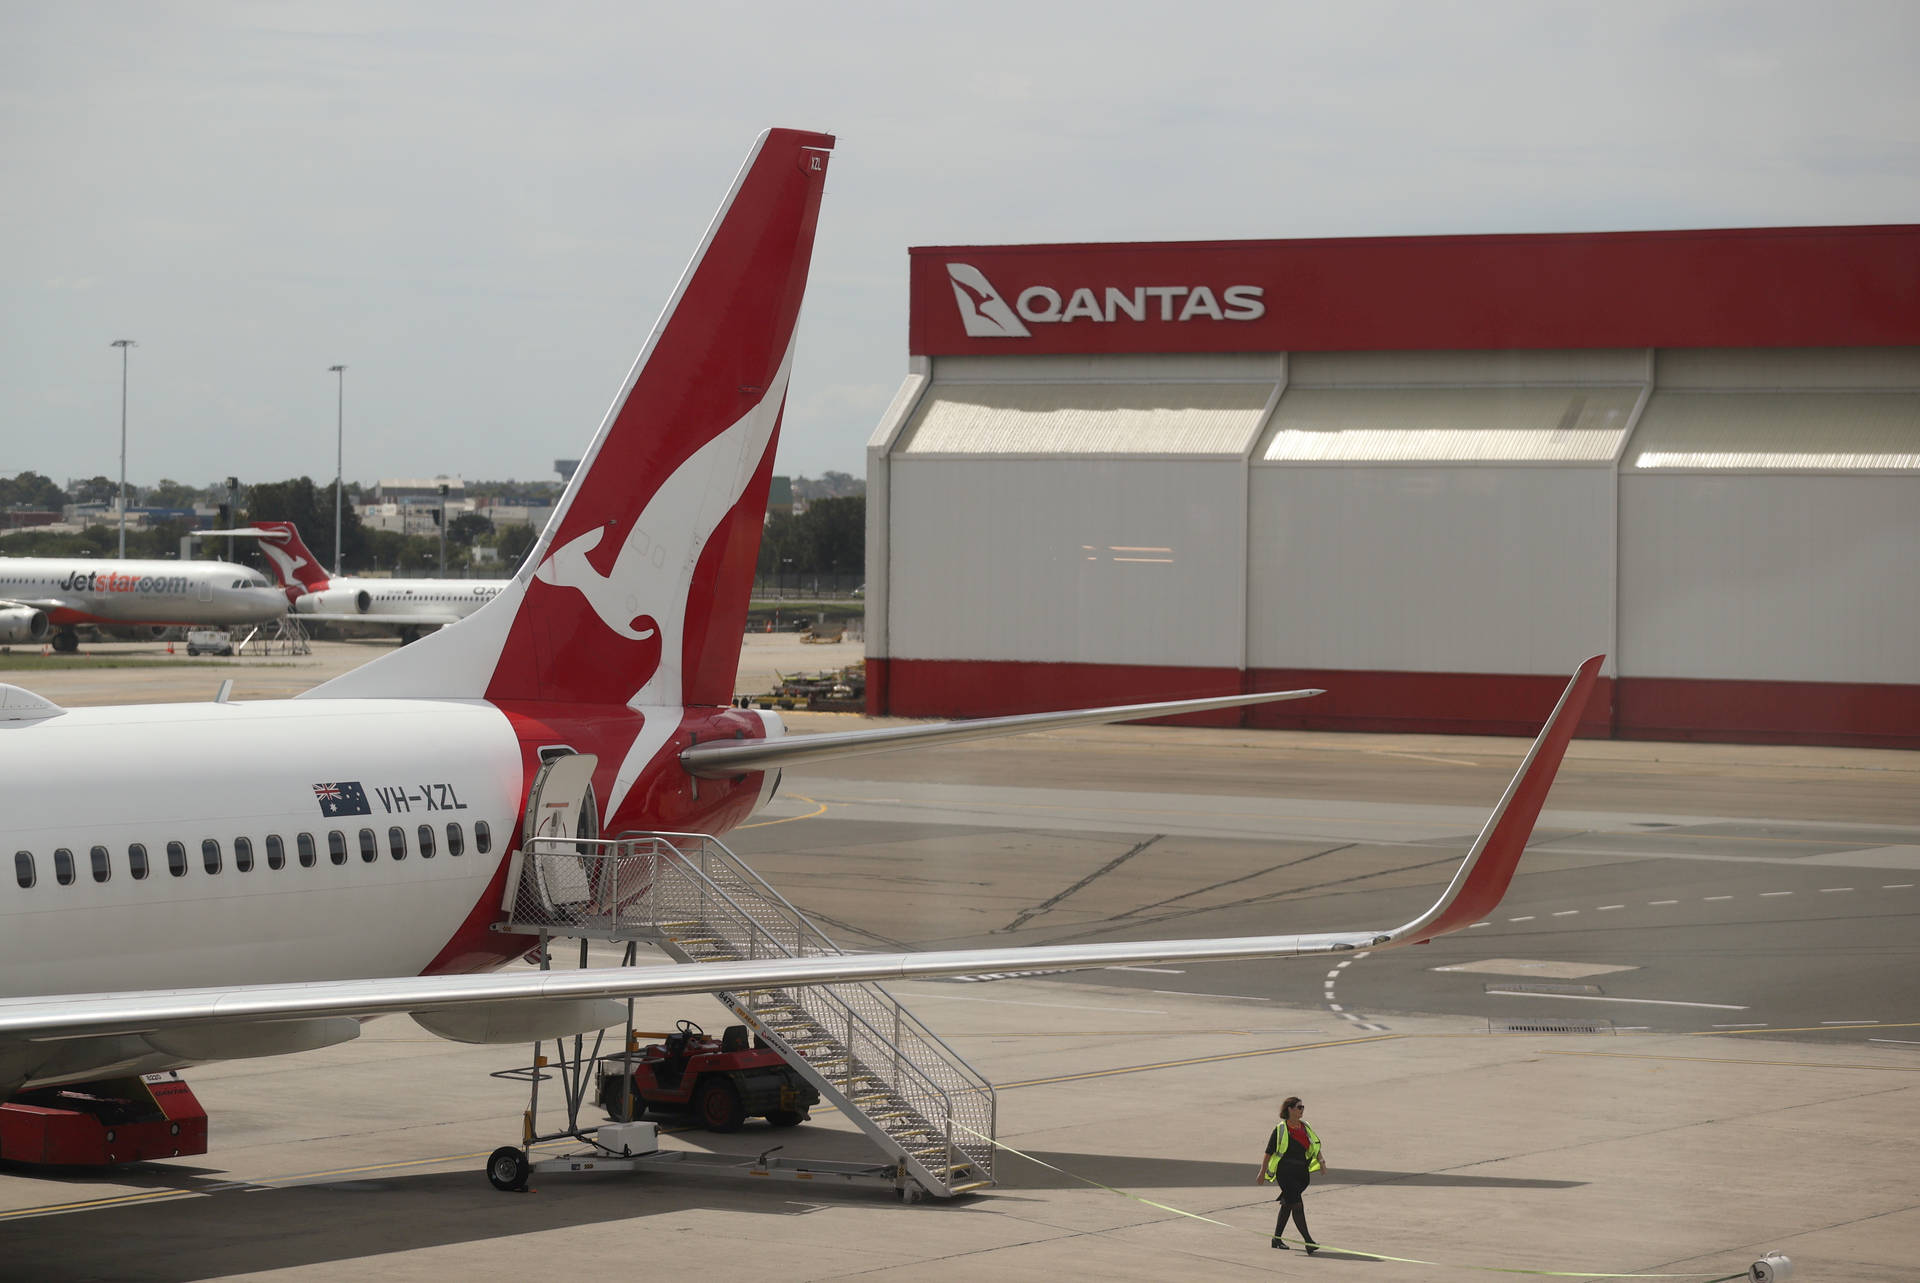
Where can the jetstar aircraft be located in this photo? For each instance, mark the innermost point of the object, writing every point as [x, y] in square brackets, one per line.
[356, 864]
[42, 594]
[406, 604]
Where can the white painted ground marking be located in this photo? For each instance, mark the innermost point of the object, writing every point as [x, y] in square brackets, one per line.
[1158, 971]
[1480, 924]
[1904, 1042]
[1830, 890]
[1895, 886]
[1719, 897]
[1233, 997]
[1603, 908]
[1849, 1022]
[1343, 966]
[1525, 918]
[1645, 1002]
[1536, 968]
[1768, 893]
[1566, 913]
[1747, 1026]
[1362, 954]
[1663, 902]
[1335, 1006]
[1334, 974]
[1064, 1006]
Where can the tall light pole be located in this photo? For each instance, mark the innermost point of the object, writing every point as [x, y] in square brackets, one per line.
[339, 447]
[123, 345]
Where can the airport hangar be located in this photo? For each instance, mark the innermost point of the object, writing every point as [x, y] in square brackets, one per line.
[1430, 474]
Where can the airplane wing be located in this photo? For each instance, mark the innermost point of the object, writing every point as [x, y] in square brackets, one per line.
[737, 757]
[1477, 887]
[38, 603]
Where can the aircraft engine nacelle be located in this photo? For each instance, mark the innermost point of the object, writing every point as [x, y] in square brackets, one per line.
[363, 601]
[22, 624]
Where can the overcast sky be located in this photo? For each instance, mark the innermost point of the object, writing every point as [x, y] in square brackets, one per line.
[480, 207]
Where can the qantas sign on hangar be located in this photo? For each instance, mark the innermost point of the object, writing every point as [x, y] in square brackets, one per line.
[1430, 474]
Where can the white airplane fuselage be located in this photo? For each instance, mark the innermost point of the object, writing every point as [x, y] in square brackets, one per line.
[370, 902]
[411, 600]
[81, 590]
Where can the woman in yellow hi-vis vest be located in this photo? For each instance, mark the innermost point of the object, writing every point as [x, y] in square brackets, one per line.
[1293, 1155]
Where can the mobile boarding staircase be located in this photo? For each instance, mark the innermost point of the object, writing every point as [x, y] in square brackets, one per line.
[928, 1111]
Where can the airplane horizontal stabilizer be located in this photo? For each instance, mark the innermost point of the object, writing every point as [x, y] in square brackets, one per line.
[722, 760]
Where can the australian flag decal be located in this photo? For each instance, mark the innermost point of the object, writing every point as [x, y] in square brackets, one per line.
[342, 799]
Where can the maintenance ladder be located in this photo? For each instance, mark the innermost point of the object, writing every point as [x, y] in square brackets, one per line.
[686, 893]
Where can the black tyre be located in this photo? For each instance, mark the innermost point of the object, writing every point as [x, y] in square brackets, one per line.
[611, 1100]
[785, 1117]
[507, 1169]
[65, 643]
[719, 1107]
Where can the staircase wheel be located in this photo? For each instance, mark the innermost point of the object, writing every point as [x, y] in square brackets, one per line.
[507, 1169]
[785, 1117]
[719, 1106]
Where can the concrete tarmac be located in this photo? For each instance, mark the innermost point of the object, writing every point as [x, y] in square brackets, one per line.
[1722, 918]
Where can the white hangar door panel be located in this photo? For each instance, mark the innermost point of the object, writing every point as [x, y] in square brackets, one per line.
[1090, 560]
[1770, 578]
[1477, 569]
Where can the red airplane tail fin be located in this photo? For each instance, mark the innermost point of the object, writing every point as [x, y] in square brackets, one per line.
[637, 592]
[297, 569]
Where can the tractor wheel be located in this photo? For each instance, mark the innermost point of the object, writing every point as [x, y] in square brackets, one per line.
[719, 1106]
[507, 1168]
[610, 1101]
[785, 1117]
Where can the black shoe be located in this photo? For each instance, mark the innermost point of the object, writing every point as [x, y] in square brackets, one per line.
[1282, 1246]
[1312, 1248]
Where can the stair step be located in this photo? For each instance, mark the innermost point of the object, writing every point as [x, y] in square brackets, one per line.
[970, 1186]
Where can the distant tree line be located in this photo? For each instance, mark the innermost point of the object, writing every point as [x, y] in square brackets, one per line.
[830, 537]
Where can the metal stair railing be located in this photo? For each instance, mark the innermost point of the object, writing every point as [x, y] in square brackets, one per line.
[912, 1093]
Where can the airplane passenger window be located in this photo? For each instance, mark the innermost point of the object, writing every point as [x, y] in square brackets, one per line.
[23, 869]
[137, 861]
[177, 859]
[426, 841]
[63, 867]
[308, 856]
[397, 842]
[210, 854]
[337, 847]
[243, 855]
[276, 852]
[102, 870]
[482, 837]
[369, 846]
[456, 840]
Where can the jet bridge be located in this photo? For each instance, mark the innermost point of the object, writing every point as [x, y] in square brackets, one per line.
[924, 1107]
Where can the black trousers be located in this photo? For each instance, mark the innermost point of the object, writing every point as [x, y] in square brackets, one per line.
[1293, 1179]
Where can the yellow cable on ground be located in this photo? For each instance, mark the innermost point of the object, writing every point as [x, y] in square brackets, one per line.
[1334, 1247]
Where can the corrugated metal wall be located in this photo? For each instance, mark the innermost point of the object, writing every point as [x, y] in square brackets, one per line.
[1099, 561]
[1760, 578]
[1430, 569]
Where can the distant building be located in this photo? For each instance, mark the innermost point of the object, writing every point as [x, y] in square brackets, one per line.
[566, 468]
[403, 489]
[780, 497]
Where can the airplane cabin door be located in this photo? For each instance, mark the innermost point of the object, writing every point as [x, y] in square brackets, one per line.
[560, 805]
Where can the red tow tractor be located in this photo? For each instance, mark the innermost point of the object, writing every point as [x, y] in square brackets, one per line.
[720, 1082]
